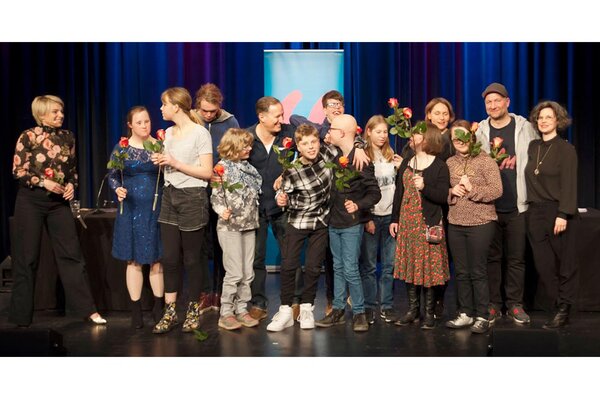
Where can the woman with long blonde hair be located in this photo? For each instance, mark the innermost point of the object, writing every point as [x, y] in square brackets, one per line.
[187, 162]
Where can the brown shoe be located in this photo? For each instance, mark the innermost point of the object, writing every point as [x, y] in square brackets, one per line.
[296, 311]
[215, 301]
[205, 304]
[329, 307]
[258, 313]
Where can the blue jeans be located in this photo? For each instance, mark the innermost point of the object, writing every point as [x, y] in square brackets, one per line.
[367, 264]
[345, 248]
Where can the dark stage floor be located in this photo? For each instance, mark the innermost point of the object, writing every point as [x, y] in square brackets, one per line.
[580, 338]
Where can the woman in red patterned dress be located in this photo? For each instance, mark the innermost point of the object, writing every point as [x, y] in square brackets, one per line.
[422, 186]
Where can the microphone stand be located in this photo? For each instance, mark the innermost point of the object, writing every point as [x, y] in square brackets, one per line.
[97, 208]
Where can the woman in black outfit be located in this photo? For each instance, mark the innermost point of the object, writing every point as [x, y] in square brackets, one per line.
[551, 177]
[44, 164]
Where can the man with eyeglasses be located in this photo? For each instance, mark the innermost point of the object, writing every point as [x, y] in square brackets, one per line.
[510, 237]
[333, 105]
[217, 121]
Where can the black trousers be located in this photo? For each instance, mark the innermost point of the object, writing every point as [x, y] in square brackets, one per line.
[34, 209]
[183, 247]
[554, 255]
[278, 224]
[314, 256]
[510, 240]
[328, 274]
[470, 246]
[213, 250]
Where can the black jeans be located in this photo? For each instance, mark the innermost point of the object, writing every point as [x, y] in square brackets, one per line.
[212, 249]
[510, 240]
[278, 224]
[34, 209]
[314, 256]
[189, 244]
[470, 246]
[554, 255]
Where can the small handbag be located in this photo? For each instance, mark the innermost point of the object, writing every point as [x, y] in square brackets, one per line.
[434, 234]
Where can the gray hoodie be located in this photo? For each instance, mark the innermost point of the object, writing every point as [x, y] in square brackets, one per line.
[524, 133]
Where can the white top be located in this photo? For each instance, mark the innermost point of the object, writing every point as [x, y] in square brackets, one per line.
[386, 179]
[186, 149]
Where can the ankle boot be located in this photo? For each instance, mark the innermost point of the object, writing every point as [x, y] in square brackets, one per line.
[168, 320]
[192, 317]
[561, 317]
[157, 309]
[414, 303]
[137, 320]
[429, 321]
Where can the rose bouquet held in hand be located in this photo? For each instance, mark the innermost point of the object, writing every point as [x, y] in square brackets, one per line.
[400, 122]
[284, 154]
[343, 175]
[156, 147]
[469, 138]
[219, 170]
[117, 161]
[497, 153]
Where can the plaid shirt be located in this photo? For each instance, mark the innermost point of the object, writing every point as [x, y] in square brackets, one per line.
[308, 189]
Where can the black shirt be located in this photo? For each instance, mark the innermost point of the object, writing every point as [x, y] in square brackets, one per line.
[508, 201]
[557, 177]
[268, 167]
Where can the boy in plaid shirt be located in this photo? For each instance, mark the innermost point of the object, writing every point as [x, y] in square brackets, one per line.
[305, 190]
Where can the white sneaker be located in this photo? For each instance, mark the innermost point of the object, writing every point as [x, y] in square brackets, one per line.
[282, 319]
[462, 320]
[306, 316]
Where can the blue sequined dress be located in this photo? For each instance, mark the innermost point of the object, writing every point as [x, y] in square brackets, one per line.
[136, 234]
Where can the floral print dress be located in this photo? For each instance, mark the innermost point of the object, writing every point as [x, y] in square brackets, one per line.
[417, 261]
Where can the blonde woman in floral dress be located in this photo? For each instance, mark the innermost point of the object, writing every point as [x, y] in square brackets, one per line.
[421, 189]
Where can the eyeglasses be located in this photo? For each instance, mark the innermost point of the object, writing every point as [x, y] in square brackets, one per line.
[458, 141]
[331, 129]
[335, 105]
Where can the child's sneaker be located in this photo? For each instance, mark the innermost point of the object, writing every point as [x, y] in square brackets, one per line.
[282, 319]
[229, 322]
[306, 317]
[246, 320]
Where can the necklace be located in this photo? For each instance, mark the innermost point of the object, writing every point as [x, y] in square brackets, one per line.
[536, 171]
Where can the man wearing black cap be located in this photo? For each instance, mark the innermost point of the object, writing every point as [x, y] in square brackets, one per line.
[510, 238]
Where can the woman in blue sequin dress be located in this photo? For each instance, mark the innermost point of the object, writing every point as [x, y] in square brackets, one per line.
[136, 237]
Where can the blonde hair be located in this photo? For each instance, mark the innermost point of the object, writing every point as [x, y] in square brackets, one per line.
[386, 149]
[41, 105]
[233, 143]
[181, 97]
[305, 130]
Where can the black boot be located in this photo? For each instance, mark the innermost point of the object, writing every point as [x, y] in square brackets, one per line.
[561, 317]
[158, 308]
[429, 321]
[440, 291]
[414, 303]
[137, 321]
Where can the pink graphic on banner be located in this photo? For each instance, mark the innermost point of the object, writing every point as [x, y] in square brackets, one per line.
[316, 113]
[289, 104]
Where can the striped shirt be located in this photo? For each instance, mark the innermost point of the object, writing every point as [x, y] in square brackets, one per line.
[308, 188]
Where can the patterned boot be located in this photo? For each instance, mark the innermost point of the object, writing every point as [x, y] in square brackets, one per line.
[168, 321]
[192, 317]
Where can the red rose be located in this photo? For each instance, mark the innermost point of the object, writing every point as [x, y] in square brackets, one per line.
[124, 142]
[287, 143]
[407, 112]
[344, 161]
[497, 142]
[358, 130]
[160, 134]
[393, 102]
[219, 169]
[475, 126]
[49, 173]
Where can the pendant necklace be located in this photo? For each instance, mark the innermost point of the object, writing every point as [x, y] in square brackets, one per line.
[536, 171]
